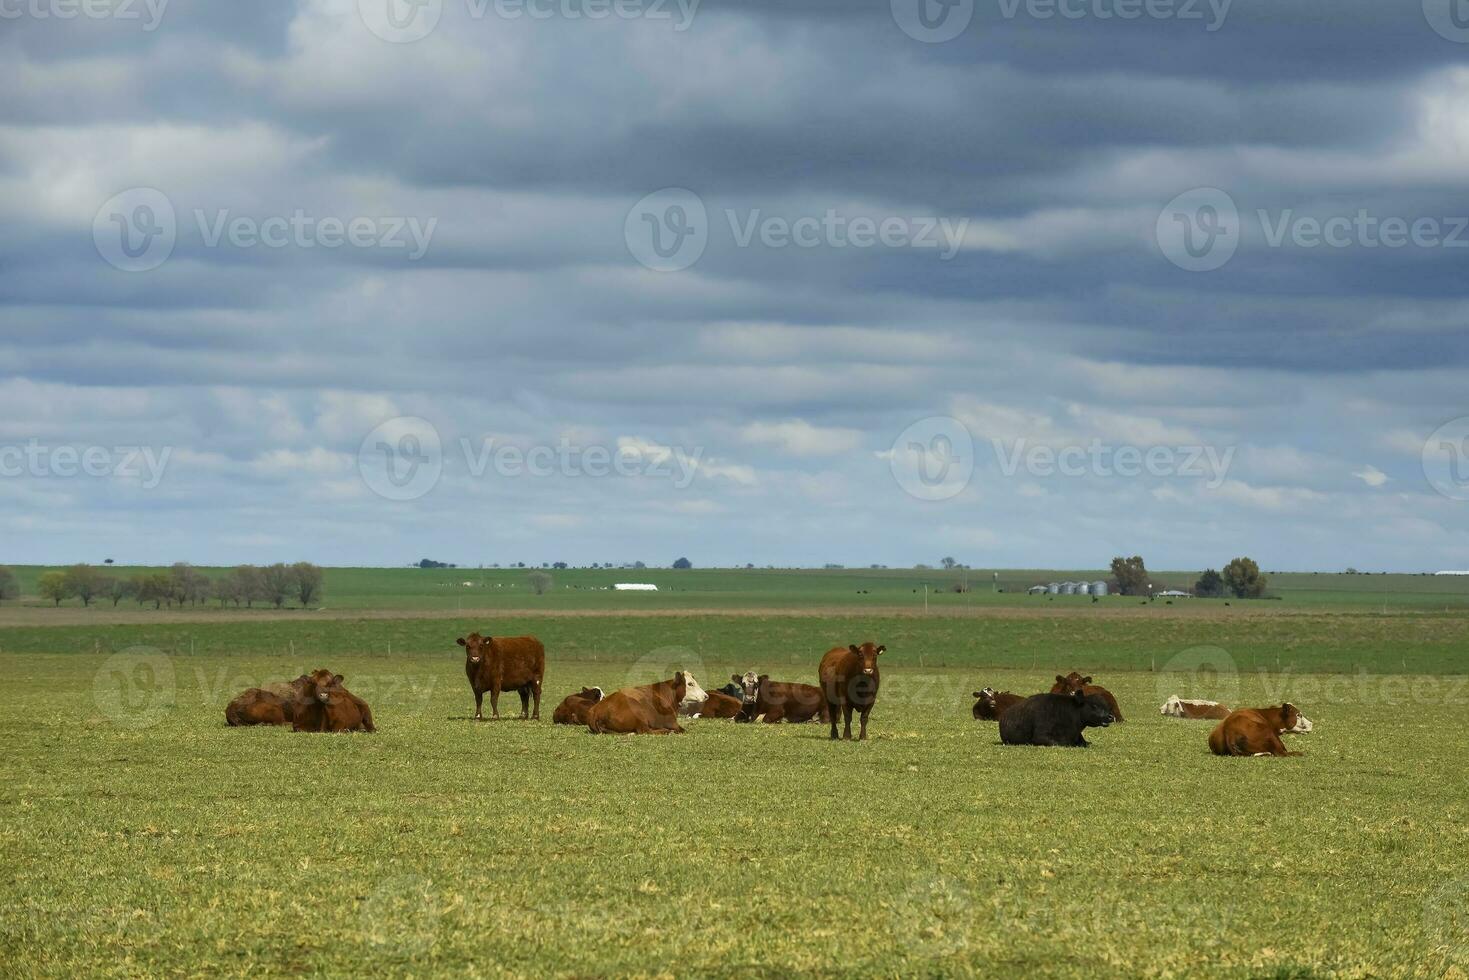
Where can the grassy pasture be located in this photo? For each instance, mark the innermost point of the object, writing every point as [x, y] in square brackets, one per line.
[142, 837]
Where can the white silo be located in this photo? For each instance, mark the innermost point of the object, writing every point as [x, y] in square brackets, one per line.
[1099, 588]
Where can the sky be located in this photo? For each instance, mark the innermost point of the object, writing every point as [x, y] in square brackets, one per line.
[1029, 283]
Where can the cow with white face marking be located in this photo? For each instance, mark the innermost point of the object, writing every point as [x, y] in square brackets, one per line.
[694, 697]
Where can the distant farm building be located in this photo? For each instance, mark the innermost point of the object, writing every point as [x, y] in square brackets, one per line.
[1036, 590]
[635, 587]
[1175, 594]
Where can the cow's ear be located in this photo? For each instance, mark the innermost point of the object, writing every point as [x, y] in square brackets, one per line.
[736, 678]
[340, 679]
[977, 694]
[853, 648]
[1086, 680]
[762, 678]
[1060, 679]
[882, 649]
[1287, 707]
[461, 642]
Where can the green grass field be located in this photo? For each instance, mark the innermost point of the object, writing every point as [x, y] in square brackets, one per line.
[141, 837]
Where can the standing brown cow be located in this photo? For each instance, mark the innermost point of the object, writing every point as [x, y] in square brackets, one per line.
[850, 679]
[651, 709]
[504, 663]
[1075, 682]
[1256, 731]
[271, 704]
[326, 706]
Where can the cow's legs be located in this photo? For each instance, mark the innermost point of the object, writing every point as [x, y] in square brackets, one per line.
[537, 714]
[524, 693]
[495, 701]
[863, 736]
[847, 721]
[479, 700]
[832, 709]
[775, 714]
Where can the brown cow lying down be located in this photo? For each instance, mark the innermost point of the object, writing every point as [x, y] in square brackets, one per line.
[648, 710]
[716, 705]
[1256, 731]
[1177, 707]
[573, 710]
[779, 700]
[326, 706]
[1075, 682]
[271, 704]
[989, 704]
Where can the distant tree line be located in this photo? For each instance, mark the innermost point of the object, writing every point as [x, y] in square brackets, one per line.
[184, 585]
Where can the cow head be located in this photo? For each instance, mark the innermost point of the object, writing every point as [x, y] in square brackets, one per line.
[987, 696]
[680, 687]
[749, 684]
[476, 647]
[592, 694]
[867, 655]
[1094, 710]
[693, 693]
[1173, 707]
[1071, 682]
[1292, 721]
[320, 684]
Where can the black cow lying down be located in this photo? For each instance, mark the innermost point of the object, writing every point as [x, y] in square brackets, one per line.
[1054, 719]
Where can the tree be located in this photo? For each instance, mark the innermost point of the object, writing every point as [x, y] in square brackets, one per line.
[540, 582]
[275, 584]
[1131, 575]
[683, 563]
[949, 562]
[1210, 585]
[1244, 578]
[54, 586]
[117, 589]
[9, 587]
[84, 582]
[189, 584]
[308, 578]
[246, 585]
[154, 587]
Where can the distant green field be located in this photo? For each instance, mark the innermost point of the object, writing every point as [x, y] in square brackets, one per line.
[141, 837]
[448, 589]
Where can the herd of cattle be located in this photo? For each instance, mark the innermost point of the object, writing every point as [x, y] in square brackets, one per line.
[848, 680]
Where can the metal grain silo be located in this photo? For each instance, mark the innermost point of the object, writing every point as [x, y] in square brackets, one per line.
[1068, 588]
[1099, 588]
[1054, 588]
